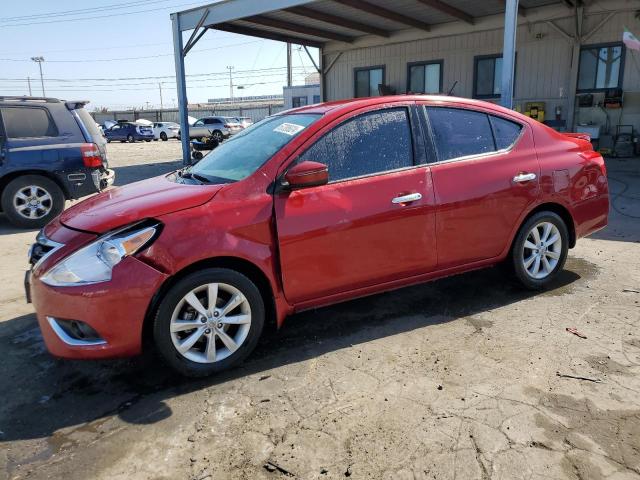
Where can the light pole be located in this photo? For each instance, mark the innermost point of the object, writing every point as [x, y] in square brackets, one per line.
[39, 61]
[231, 83]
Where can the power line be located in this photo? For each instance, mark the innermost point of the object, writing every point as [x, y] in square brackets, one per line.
[144, 57]
[133, 3]
[173, 7]
[156, 77]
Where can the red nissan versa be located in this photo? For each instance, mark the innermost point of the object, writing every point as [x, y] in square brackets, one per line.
[306, 208]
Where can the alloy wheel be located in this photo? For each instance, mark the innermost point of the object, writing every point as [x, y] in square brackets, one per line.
[32, 202]
[542, 250]
[210, 323]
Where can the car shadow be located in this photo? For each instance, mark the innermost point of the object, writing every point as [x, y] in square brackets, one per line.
[44, 395]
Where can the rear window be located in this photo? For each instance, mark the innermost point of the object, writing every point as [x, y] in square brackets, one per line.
[89, 122]
[28, 122]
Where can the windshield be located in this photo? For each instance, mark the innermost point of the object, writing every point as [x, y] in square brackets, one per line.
[245, 152]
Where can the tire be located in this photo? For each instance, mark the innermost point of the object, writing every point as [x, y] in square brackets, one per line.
[18, 194]
[195, 362]
[197, 155]
[130, 138]
[217, 136]
[549, 257]
[163, 136]
[147, 141]
[108, 140]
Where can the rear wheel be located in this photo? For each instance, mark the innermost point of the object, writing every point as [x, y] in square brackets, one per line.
[540, 250]
[32, 201]
[163, 136]
[217, 136]
[208, 322]
[130, 138]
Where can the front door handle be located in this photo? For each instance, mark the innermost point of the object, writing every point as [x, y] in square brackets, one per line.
[524, 177]
[412, 197]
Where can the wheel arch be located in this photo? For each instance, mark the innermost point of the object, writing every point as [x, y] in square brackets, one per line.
[559, 210]
[245, 267]
[9, 177]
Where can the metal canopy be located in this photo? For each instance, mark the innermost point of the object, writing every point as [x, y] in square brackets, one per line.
[314, 23]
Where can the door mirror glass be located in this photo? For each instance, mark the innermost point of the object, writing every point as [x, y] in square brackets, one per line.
[307, 174]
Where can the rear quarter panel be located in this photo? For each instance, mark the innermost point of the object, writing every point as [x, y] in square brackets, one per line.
[573, 175]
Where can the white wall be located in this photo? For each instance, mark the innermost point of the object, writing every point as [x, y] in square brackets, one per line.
[308, 91]
[542, 66]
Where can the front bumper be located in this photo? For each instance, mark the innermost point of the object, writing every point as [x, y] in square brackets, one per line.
[115, 310]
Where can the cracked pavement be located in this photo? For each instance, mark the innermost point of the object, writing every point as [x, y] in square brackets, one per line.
[455, 379]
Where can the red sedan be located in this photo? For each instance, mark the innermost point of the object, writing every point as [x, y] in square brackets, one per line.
[307, 208]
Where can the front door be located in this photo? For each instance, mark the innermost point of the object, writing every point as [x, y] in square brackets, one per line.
[372, 223]
[485, 178]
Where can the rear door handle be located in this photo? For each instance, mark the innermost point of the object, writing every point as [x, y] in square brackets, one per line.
[412, 197]
[524, 177]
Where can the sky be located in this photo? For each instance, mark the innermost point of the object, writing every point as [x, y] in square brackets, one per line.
[119, 54]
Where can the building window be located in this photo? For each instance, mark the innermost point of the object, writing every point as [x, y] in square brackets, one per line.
[299, 102]
[601, 67]
[424, 77]
[316, 99]
[487, 74]
[367, 81]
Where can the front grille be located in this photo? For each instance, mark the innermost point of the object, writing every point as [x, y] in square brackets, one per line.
[42, 249]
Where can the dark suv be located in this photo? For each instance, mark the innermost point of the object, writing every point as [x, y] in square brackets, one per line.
[50, 151]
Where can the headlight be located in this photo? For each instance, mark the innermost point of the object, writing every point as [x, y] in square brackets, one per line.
[94, 263]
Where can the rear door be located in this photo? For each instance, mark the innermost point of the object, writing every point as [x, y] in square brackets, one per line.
[485, 177]
[373, 222]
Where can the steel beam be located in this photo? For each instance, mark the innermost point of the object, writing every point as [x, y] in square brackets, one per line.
[385, 13]
[297, 28]
[257, 32]
[448, 9]
[336, 20]
[183, 103]
[227, 11]
[509, 53]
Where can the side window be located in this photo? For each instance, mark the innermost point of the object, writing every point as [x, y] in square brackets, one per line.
[370, 143]
[458, 132]
[505, 132]
[199, 123]
[28, 122]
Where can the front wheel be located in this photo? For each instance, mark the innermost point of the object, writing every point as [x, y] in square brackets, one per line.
[32, 201]
[130, 138]
[540, 250]
[208, 322]
[163, 137]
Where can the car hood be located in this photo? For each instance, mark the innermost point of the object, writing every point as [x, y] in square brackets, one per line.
[146, 199]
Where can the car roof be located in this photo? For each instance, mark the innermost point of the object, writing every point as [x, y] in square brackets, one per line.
[355, 103]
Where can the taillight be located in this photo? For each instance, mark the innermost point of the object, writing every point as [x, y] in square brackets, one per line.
[91, 155]
[226, 125]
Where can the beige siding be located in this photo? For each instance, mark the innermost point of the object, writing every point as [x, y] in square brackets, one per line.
[542, 70]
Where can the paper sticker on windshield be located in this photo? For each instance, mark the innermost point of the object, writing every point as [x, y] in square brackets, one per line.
[288, 128]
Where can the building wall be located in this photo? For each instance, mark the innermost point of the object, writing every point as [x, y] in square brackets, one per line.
[308, 91]
[543, 63]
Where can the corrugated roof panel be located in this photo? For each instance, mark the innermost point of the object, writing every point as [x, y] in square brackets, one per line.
[246, 24]
[305, 21]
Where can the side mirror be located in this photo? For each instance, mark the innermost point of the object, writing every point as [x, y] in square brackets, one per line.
[307, 174]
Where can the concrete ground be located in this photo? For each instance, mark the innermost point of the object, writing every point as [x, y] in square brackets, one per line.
[468, 377]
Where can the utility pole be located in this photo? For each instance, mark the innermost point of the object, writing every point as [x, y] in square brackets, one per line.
[161, 104]
[39, 61]
[29, 83]
[230, 83]
[289, 72]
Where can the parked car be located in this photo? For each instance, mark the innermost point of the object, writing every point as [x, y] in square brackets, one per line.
[165, 130]
[244, 121]
[50, 151]
[129, 132]
[311, 207]
[215, 127]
